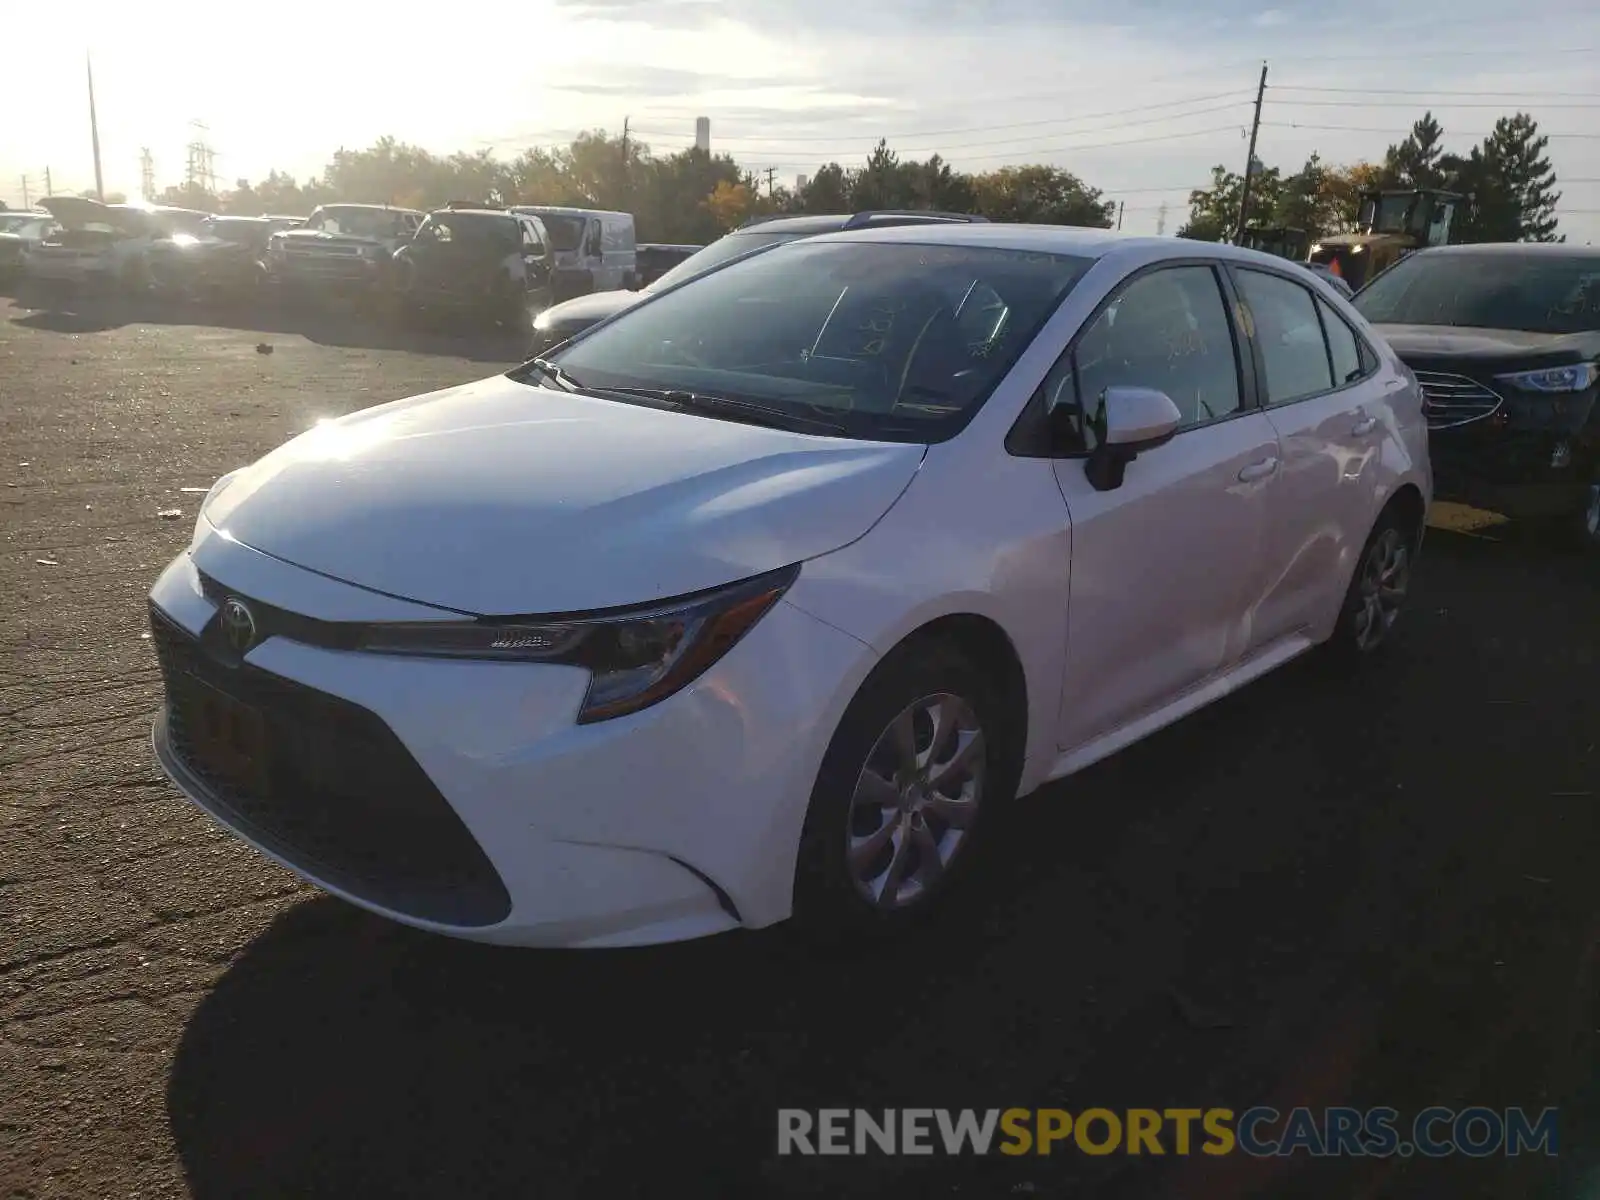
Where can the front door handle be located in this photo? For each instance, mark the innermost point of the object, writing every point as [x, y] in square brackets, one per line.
[1258, 470]
[1364, 427]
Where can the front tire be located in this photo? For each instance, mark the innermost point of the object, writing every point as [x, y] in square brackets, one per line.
[918, 759]
[1377, 592]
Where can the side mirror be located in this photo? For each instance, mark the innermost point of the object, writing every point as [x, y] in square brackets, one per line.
[1131, 421]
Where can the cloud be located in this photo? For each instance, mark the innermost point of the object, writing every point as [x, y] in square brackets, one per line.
[626, 79]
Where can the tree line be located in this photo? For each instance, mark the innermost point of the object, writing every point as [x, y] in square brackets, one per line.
[1507, 185]
[693, 196]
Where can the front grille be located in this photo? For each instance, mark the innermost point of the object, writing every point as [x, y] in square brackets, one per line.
[323, 249]
[335, 792]
[1452, 400]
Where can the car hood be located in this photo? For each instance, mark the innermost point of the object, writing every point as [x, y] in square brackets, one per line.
[318, 235]
[498, 498]
[587, 310]
[1431, 343]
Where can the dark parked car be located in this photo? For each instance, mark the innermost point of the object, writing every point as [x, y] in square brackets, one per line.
[488, 260]
[557, 324]
[1505, 341]
[224, 256]
[655, 259]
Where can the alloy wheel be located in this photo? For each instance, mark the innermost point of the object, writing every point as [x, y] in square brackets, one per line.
[915, 801]
[1381, 590]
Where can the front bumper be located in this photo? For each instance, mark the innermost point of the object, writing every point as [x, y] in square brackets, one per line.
[493, 816]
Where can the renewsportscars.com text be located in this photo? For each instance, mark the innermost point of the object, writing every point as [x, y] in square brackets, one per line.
[1259, 1132]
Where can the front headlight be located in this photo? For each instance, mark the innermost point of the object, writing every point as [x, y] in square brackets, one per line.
[635, 657]
[542, 321]
[1576, 378]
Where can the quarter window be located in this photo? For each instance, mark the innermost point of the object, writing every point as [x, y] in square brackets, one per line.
[1343, 348]
[1167, 330]
[1284, 317]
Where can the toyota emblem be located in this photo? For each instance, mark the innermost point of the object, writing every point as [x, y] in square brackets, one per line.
[238, 624]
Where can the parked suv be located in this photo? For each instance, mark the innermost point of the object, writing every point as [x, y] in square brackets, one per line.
[341, 246]
[1505, 341]
[474, 257]
[565, 320]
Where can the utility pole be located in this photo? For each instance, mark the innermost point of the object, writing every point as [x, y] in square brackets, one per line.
[147, 175]
[1250, 159]
[1120, 203]
[771, 172]
[94, 134]
[1161, 221]
[627, 175]
[49, 188]
[26, 201]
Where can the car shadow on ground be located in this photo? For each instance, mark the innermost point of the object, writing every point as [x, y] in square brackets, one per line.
[368, 326]
[1327, 889]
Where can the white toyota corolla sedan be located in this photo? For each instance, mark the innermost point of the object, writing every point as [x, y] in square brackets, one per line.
[754, 601]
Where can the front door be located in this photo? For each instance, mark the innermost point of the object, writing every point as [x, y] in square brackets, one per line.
[1162, 565]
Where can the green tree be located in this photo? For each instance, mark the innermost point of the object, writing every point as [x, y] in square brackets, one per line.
[1415, 161]
[1041, 195]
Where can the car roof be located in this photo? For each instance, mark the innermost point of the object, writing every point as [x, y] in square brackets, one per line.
[480, 212]
[1080, 241]
[568, 211]
[1513, 250]
[373, 207]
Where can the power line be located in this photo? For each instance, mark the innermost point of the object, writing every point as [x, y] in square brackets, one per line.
[1399, 103]
[1394, 132]
[1237, 96]
[1282, 87]
[989, 142]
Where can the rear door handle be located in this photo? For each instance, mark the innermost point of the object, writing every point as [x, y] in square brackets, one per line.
[1258, 470]
[1362, 428]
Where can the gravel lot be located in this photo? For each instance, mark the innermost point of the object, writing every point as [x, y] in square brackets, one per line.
[1377, 891]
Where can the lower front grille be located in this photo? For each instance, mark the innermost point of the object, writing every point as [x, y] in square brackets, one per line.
[1452, 400]
[324, 784]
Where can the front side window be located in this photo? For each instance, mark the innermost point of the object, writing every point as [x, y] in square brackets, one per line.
[896, 341]
[1539, 293]
[1284, 318]
[1167, 330]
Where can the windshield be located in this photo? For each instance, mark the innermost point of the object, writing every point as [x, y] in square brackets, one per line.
[169, 223]
[476, 228]
[566, 232]
[358, 222]
[724, 249]
[236, 229]
[1536, 293]
[893, 341]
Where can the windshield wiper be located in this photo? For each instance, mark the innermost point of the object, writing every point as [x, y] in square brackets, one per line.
[733, 408]
[546, 369]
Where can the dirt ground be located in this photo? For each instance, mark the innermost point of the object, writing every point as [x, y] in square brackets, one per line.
[1369, 891]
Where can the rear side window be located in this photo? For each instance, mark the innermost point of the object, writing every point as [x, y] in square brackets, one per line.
[1344, 348]
[1284, 318]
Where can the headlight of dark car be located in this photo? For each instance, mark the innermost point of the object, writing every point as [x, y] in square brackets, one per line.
[635, 657]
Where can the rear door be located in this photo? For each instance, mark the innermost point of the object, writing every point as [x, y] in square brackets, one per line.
[1319, 389]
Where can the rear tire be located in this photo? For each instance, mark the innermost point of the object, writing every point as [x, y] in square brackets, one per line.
[1378, 591]
[895, 814]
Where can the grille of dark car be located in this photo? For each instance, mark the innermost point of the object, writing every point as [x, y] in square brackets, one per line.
[337, 793]
[1452, 400]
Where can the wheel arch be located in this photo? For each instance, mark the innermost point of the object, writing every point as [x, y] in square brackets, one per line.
[983, 642]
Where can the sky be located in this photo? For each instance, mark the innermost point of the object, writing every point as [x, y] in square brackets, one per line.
[1139, 98]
